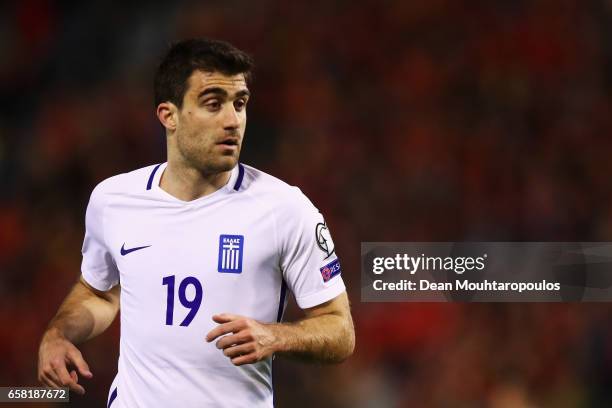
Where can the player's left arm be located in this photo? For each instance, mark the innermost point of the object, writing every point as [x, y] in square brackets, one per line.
[326, 334]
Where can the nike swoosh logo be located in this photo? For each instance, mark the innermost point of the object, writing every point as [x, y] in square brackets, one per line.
[127, 251]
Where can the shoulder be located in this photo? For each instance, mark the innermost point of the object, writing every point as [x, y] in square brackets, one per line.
[275, 192]
[125, 183]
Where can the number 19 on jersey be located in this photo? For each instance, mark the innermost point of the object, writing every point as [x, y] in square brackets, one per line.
[193, 305]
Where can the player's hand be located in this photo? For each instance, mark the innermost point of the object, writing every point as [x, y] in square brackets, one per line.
[55, 356]
[243, 340]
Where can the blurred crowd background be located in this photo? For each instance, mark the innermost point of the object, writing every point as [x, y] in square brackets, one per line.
[432, 120]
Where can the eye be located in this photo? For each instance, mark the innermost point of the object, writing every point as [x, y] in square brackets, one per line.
[212, 104]
[240, 104]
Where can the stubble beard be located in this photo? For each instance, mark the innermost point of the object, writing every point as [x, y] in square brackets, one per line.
[208, 161]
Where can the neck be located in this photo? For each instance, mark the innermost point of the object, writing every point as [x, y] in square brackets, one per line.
[187, 183]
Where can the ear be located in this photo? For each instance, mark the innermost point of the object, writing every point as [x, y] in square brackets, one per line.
[167, 113]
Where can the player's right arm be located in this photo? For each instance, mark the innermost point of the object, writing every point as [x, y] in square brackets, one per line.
[85, 313]
[89, 308]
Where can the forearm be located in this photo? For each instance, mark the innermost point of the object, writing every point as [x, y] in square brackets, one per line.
[84, 314]
[326, 338]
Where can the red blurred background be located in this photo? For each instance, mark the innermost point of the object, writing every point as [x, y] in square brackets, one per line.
[402, 121]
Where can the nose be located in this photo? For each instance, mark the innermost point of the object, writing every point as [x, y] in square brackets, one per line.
[231, 118]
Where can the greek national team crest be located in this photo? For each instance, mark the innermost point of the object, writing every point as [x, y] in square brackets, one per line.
[230, 253]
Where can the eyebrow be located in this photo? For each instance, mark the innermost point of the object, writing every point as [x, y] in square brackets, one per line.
[223, 92]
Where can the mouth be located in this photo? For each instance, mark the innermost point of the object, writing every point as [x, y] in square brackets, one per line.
[228, 146]
[230, 141]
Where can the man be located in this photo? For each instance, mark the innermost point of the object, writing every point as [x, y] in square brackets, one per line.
[200, 252]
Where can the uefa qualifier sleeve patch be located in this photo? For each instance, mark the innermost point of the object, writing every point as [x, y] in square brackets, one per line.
[324, 239]
[330, 270]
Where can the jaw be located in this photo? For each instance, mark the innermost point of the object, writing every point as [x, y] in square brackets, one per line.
[212, 162]
[204, 157]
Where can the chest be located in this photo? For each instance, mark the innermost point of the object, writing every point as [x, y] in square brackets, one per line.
[228, 250]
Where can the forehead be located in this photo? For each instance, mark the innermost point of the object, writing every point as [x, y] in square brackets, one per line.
[200, 80]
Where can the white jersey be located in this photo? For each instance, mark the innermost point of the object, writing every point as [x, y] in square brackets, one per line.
[236, 250]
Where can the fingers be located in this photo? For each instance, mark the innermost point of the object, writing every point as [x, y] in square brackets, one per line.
[229, 327]
[67, 380]
[55, 375]
[239, 346]
[49, 379]
[239, 350]
[226, 317]
[55, 355]
[238, 338]
[76, 358]
[47, 374]
[245, 359]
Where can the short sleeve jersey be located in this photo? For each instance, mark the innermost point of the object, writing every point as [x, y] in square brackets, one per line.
[237, 250]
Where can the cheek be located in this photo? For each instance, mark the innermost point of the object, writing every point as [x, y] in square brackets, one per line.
[200, 137]
[196, 127]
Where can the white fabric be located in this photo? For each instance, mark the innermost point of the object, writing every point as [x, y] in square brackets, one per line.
[163, 365]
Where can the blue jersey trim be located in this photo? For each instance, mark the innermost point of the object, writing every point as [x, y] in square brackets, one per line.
[112, 397]
[281, 303]
[240, 176]
[150, 183]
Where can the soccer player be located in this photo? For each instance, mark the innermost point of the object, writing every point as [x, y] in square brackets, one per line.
[200, 252]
